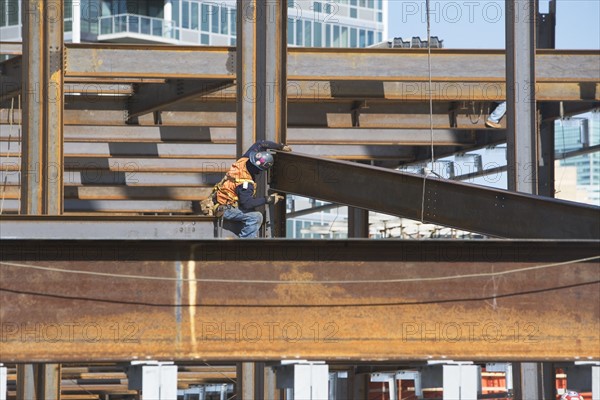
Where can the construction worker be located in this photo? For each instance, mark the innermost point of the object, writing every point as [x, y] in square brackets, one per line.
[236, 193]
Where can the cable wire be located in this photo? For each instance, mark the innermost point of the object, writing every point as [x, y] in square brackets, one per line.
[295, 282]
[426, 172]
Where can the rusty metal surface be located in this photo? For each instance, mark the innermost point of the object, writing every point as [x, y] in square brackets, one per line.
[324, 64]
[279, 299]
[455, 204]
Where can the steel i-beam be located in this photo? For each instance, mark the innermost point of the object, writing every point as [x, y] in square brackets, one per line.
[522, 154]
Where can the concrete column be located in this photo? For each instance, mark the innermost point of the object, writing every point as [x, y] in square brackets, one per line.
[155, 380]
[3, 378]
[307, 380]
[596, 382]
[521, 126]
[462, 382]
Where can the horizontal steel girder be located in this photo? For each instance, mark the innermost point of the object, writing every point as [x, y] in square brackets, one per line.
[325, 64]
[163, 135]
[29, 227]
[278, 299]
[469, 207]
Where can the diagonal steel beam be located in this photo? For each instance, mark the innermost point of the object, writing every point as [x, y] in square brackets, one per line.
[468, 207]
[10, 78]
[157, 96]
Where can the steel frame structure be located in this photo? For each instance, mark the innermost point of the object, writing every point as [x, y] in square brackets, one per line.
[159, 288]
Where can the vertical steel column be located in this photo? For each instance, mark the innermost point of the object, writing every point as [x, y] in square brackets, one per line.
[247, 75]
[275, 98]
[270, 383]
[547, 149]
[33, 108]
[261, 81]
[38, 381]
[250, 381]
[42, 150]
[358, 223]
[53, 102]
[546, 39]
[520, 83]
[527, 383]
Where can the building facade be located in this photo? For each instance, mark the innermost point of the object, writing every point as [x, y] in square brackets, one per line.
[573, 135]
[338, 23]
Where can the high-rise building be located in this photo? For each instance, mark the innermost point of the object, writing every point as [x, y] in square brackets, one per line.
[577, 134]
[338, 23]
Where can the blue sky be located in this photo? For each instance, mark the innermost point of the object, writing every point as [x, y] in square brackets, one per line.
[480, 23]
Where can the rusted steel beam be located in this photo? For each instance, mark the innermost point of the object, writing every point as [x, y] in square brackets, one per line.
[159, 96]
[279, 299]
[325, 63]
[469, 207]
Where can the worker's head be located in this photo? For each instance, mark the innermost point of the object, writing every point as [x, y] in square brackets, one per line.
[262, 160]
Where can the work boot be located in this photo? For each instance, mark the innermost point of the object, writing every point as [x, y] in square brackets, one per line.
[491, 124]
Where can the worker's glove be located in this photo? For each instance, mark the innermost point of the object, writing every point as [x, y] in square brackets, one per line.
[274, 198]
[286, 148]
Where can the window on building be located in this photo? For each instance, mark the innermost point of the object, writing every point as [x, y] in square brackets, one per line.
[317, 39]
[379, 17]
[195, 14]
[185, 14]
[233, 22]
[353, 12]
[379, 37]
[327, 35]
[290, 31]
[336, 36]
[317, 6]
[380, 4]
[353, 42]
[214, 19]
[299, 34]
[370, 38]
[205, 17]
[308, 33]
[204, 39]
[224, 21]
[362, 38]
[12, 10]
[176, 14]
[344, 41]
[68, 13]
[3, 12]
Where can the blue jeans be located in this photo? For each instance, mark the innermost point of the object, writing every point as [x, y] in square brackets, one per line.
[252, 221]
[498, 112]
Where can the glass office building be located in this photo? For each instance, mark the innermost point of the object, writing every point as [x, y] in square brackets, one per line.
[338, 23]
[577, 134]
